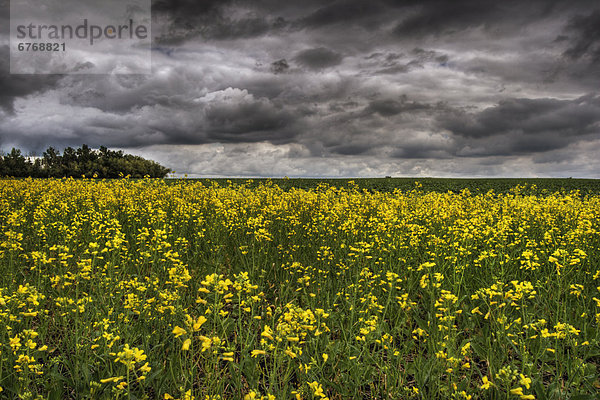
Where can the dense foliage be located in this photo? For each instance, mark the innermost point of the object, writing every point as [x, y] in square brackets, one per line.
[84, 161]
[147, 289]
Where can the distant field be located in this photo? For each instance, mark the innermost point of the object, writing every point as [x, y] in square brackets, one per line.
[442, 185]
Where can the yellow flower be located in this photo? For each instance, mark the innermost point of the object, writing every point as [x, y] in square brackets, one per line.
[113, 379]
[15, 342]
[256, 353]
[199, 322]
[486, 383]
[186, 344]
[525, 381]
[290, 353]
[29, 314]
[317, 389]
[145, 368]
[325, 357]
[177, 331]
[228, 356]
[267, 332]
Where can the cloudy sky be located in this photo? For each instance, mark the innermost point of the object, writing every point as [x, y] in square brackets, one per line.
[337, 89]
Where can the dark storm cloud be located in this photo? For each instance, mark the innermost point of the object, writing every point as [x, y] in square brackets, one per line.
[15, 86]
[389, 107]
[413, 17]
[393, 67]
[433, 17]
[579, 40]
[222, 29]
[422, 56]
[237, 114]
[4, 17]
[250, 26]
[585, 42]
[188, 19]
[525, 126]
[229, 115]
[210, 19]
[349, 149]
[279, 66]
[398, 63]
[530, 117]
[184, 9]
[242, 28]
[318, 58]
[420, 151]
[342, 12]
[384, 87]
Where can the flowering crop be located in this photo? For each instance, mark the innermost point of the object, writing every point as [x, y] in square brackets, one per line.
[144, 289]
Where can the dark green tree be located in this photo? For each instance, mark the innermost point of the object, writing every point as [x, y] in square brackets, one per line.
[84, 161]
[15, 163]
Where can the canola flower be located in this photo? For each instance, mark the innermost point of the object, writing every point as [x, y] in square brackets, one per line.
[147, 289]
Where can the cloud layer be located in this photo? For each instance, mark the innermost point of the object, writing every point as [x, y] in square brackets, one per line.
[342, 88]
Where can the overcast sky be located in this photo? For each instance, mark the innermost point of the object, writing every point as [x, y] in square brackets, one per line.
[337, 89]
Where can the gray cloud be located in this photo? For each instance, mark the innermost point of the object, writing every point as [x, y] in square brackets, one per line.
[389, 107]
[235, 114]
[15, 86]
[279, 66]
[525, 126]
[318, 58]
[529, 117]
[230, 115]
[434, 17]
[440, 16]
[342, 12]
[586, 37]
[182, 20]
[187, 8]
[392, 63]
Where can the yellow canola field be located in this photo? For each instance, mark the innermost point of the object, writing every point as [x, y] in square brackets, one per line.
[176, 290]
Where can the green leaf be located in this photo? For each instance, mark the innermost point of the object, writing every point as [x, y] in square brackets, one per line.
[584, 397]
[539, 390]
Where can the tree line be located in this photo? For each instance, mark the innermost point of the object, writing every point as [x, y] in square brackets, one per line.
[76, 163]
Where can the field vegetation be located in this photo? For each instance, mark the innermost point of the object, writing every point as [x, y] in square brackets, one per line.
[199, 290]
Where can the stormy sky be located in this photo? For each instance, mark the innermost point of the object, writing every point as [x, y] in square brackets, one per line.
[309, 88]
